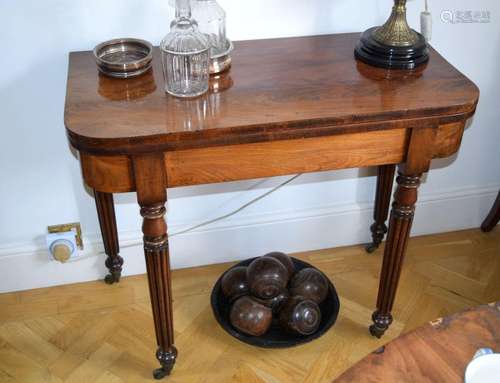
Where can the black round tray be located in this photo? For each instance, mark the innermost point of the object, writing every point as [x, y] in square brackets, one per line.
[275, 337]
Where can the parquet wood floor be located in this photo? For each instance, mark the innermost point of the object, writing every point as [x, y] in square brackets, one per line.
[93, 332]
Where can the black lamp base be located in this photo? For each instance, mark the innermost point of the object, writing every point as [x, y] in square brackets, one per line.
[372, 52]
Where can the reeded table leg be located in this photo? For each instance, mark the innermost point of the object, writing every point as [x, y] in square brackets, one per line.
[402, 213]
[160, 284]
[107, 222]
[151, 194]
[385, 179]
[493, 217]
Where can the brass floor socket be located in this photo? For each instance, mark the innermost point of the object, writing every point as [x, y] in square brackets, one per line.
[75, 226]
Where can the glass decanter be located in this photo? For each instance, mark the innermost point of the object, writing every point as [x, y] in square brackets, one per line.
[185, 55]
[211, 19]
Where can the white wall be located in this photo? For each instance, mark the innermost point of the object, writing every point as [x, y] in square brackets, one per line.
[40, 181]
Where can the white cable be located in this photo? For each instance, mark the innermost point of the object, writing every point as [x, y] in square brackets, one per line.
[237, 210]
[426, 23]
[251, 202]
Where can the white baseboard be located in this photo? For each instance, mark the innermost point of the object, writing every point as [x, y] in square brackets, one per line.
[26, 266]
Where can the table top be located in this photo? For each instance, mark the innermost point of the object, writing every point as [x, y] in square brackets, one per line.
[277, 89]
[437, 352]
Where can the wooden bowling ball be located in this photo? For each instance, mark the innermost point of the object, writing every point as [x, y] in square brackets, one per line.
[267, 277]
[234, 283]
[275, 303]
[250, 317]
[310, 284]
[284, 259]
[300, 316]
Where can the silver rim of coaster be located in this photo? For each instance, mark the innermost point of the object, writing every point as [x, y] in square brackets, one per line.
[124, 57]
[222, 61]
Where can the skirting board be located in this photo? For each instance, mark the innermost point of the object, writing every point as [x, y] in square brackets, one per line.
[25, 266]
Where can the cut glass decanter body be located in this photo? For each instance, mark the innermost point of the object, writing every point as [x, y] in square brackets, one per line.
[211, 19]
[185, 55]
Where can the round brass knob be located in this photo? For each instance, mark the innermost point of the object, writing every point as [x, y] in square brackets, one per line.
[61, 252]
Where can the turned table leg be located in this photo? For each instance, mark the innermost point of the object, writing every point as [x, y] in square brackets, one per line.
[385, 179]
[107, 222]
[151, 194]
[402, 213]
[493, 217]
[160, 284]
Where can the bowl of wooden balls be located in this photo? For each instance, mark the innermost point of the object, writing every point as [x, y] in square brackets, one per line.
[275, 301]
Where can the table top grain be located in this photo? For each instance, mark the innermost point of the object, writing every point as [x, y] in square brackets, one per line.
[277, 89]
[436, 352]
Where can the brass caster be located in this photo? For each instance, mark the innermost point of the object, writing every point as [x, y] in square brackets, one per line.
[167, 361]
[376, 331]
[160, 373]
[371, 247]
[112, 278]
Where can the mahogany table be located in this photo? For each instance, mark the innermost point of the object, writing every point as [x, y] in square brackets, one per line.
[287, 106]
[436, 352]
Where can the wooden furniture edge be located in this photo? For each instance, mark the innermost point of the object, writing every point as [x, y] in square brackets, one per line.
[251, 134]
[436, 327]
[114, 174]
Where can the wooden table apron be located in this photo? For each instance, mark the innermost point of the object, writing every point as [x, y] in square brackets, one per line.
[303, 105]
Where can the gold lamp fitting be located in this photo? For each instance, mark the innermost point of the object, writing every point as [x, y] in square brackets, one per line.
[396, 31]
[394, 45]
